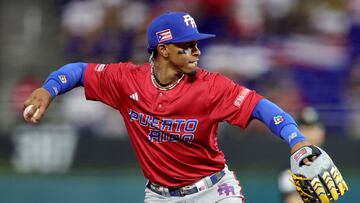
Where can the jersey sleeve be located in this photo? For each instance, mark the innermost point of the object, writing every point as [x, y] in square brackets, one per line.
[231, 102]
[103, 82]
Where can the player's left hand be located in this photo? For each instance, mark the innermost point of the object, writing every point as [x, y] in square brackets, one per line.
[317, 179]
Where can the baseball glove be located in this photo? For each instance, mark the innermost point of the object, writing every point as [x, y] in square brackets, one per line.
[320, 181]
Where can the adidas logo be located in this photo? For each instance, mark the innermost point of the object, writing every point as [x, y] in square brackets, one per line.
[134, 96]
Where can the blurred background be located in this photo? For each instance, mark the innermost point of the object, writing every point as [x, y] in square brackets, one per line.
[297, 53]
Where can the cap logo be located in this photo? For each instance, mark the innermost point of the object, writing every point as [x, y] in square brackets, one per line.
[189, 21]
[164, 35]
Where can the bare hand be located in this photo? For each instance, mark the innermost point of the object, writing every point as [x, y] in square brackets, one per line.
[40, 99]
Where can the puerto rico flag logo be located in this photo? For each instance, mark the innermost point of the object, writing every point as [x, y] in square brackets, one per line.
[164, 35]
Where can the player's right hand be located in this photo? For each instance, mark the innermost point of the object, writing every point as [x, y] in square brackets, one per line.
[39, 100]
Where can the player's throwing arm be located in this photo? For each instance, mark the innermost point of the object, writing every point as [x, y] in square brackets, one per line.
[58, 82]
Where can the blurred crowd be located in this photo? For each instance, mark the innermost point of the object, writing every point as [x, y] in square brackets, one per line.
[296, 53]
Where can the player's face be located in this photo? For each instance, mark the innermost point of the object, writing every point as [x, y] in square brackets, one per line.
[184, 57]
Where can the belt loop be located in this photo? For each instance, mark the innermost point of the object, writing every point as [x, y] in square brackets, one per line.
[208, 182]
[165, 191]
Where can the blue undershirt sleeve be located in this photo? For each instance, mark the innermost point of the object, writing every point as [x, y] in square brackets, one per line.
[278, 121]
[65, 78]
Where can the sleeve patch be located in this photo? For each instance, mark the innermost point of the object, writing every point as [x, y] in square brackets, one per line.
[278, 119]
[241, 97]
[63, 79]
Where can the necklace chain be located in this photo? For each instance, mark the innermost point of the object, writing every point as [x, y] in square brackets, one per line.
[155, 82]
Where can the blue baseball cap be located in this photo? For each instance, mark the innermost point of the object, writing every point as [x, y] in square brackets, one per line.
[173, 27]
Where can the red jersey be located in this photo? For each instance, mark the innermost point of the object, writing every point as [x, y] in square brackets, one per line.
[173, 132]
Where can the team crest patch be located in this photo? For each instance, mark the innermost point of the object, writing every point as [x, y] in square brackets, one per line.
[164, 35]
[63, 79]
[225, 189]
[278, 119]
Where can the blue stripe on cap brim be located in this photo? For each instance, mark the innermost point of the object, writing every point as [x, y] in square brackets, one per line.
[193, 37]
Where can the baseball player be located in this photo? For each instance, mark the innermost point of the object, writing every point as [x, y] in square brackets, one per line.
[172, 109]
